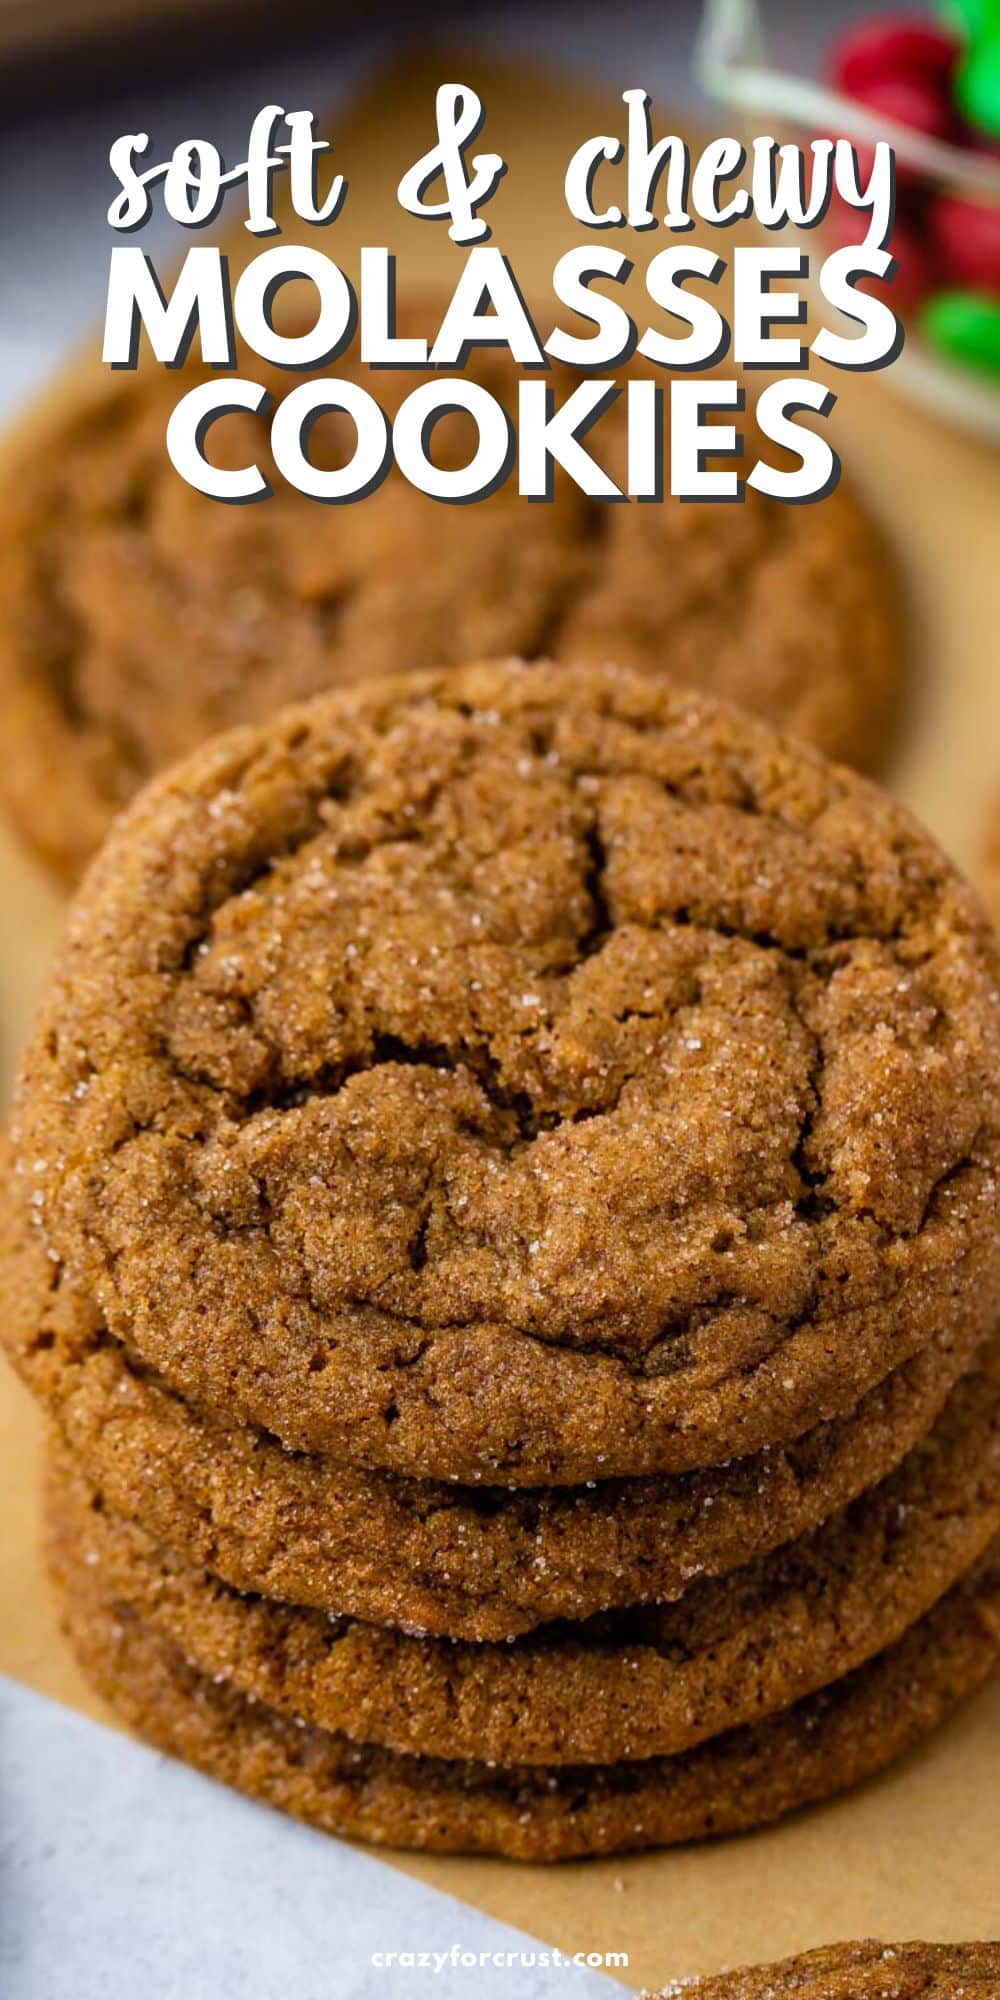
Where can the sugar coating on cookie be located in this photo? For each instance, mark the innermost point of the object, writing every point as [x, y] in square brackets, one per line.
[481, 1563]
[868, 1970]
[531, 1072]
[138, 617]
[647, 1681]
[748, 1776]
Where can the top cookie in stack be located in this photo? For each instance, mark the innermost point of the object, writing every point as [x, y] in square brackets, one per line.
[137, 616]
[527, 1074]
[498, 1145]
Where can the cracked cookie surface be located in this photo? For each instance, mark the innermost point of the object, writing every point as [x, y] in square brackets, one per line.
[139, 617]
[481, 1563]
[639, 1683]
[745, 1778]
[527, 1073]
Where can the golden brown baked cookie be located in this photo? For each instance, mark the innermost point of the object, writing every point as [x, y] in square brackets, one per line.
[138, 617]
[827, 1742]
[638, 1683]
[476, 1563]
[865, 1971]
[528, 1074]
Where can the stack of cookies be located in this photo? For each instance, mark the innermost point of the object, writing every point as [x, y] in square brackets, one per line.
[503, 1213]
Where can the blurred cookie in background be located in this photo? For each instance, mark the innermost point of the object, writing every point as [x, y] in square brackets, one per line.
[138, 616]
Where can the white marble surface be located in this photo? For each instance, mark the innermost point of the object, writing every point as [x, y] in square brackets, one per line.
[125, 1876]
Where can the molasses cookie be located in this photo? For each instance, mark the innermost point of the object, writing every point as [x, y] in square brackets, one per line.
[639, 1683]
[138, 617]
[527, 1074]
[535, 1813]
[481, 1563]
[866, 1971]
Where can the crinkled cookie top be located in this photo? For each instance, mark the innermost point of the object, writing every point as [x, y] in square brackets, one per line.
[530, 1068]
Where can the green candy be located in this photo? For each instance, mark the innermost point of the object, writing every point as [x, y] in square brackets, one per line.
[974, 17]
[966, 327]
[977, 82]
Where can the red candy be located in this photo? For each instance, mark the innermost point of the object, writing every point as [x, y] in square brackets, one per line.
[893, 46]
[914, 276]
[901, 70]
[966, 239]
[947, 251]
[915, 101]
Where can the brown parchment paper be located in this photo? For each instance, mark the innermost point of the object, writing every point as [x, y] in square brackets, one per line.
[912, 1854]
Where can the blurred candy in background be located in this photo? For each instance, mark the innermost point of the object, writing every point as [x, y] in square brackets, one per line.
[943, 81]
[930, 85]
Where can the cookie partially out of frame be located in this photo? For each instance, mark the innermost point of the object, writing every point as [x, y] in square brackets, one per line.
[477, 1563]
[635, 1684]
[865, 1971]
[138, 617]
[526, 1074]
[824, 1744]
